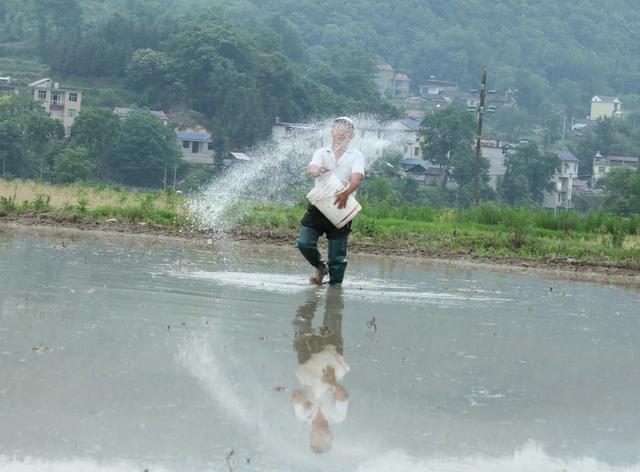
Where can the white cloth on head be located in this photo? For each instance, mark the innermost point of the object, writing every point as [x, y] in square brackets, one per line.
[318, 395]
[352, 161]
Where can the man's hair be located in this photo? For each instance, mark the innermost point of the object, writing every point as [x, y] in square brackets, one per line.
[343, 122]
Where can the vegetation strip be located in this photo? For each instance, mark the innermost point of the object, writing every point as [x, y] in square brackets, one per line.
[489, 232]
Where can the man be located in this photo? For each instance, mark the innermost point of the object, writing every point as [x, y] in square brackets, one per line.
[348, 165]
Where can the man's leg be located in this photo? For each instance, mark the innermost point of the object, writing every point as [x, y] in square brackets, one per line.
[308, 246]
[337, 258]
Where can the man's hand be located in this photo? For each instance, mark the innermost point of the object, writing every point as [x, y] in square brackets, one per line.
[341, 199]
[315, 171]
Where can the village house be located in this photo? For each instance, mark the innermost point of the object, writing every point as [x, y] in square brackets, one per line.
[561, 194]
[123, 113]
[59, 103]
[495, 152]
[388, 79]
[196, 145]
[6, 87]
[603, 106]
[436, 87]
[422, 171]
[603, 165]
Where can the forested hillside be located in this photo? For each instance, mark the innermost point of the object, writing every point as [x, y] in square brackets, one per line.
[300, 58]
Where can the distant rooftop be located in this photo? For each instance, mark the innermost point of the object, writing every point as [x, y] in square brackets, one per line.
[49, 84]
[567, 155]
[439, 83]
[401, 77]
[605, 98]
[123, 112]
[384, 67]
[412, 124]
[193, 136]
[629, 159]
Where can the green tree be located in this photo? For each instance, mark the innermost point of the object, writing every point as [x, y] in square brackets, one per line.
[608, 136]
[73, 164]
[154, 74]
[145, 150]
[148, 67]
[622, 192]
[11, 147]
[97, 130]
[446, 138]
[41, 134]
[528, 175]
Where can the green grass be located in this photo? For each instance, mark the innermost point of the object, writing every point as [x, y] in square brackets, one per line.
[486, 231]
[483, 232]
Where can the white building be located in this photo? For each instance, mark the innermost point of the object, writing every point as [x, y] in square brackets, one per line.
[495, 152]
[561, 195]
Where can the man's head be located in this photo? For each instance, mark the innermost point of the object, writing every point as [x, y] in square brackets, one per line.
[321, 436]
[342, 131]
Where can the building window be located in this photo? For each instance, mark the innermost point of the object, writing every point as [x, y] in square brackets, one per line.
[416, 151]
[42, 94]
[195, 147]
[210, 146]
[56, 99]
[185, 144]
[71, 113]
[73, 97]
[602, 170]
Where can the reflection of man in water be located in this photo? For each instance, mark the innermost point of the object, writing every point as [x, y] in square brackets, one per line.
[321, 400]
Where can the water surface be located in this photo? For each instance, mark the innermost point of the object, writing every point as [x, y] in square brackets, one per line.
[131, 357]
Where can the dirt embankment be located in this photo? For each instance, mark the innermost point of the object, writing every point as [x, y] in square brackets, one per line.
[620, 273]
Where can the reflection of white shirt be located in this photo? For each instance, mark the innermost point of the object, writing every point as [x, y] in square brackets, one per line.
[317, 395]
[333, 410]
[351, 161]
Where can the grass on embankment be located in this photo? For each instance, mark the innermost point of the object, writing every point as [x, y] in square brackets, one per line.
[80, 202]
[487, 231]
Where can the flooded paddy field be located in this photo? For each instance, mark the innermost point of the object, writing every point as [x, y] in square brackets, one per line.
[129, 357]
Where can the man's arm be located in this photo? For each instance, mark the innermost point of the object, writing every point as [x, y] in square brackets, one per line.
[356, 180]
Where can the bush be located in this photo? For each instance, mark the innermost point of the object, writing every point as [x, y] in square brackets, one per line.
[517, 224]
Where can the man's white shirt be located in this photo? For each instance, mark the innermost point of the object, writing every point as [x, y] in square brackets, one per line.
[352, 161]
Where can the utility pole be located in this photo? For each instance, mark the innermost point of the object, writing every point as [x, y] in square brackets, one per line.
[175, 172]
[164, 180]
[476, 173]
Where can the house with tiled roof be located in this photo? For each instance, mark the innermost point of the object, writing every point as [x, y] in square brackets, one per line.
[603, 165]
[124, 112]
[389, 80]
[196, 145]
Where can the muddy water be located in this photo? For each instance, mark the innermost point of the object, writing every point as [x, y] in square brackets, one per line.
[118, 357]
